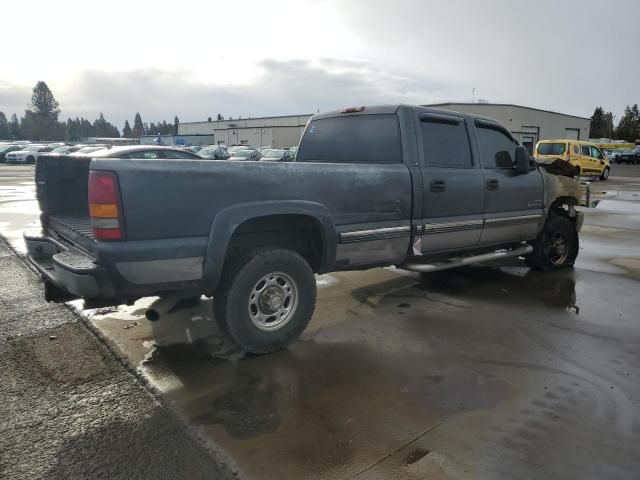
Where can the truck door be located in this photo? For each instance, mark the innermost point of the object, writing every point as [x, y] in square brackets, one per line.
[453, 185]
[514, 203]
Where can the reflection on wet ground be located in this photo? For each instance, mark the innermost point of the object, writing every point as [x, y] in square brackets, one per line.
[489, 371]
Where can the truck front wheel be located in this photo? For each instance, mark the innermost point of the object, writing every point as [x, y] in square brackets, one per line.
[556, 246]
[265, 300]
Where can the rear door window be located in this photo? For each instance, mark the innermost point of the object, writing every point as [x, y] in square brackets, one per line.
[143, 154]
[552, 148]
[497, 148]
[352, 139]
[176, 154]
[445, 143]
[586, 151]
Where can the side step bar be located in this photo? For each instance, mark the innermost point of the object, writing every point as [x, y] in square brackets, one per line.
[459, 262]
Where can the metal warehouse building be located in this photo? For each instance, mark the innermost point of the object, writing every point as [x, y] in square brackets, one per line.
[276, 132]
[527, 124]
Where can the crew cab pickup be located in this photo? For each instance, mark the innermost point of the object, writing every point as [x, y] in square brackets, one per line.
[417, 188]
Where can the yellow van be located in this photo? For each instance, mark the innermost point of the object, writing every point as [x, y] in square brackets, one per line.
[584, 155]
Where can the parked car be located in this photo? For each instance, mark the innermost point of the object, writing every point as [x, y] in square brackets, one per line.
[214, 152]
[236, 148]
[389, 185]
[246, 155]
[275, 155]
[585, 156]
[28, 154]
[7, 148]
[140, 151]
[630, 157]
[65, 149]
[88, 149]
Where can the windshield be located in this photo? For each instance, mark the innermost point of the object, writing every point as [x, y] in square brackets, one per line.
[237, 148]
[207, 151]
[4, 148]
[273, 153]
[551, 148]
[60, 150]
[32, 148]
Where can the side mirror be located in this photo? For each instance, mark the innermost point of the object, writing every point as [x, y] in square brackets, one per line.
[523, 164]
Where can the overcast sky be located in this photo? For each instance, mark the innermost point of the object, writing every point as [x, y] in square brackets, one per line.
[275, 57]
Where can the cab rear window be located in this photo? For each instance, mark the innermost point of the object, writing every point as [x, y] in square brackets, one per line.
[552, 148]
[352, 139]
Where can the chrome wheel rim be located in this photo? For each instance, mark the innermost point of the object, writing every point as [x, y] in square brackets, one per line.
[558, 248]
[273, 301]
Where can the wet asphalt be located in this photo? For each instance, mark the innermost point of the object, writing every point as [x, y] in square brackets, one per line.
[489, 371]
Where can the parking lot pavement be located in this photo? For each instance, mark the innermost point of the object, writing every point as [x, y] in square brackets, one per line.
[490, 371]
[68, 408]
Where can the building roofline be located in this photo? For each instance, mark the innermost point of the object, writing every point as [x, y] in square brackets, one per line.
[436, 105]
[250, 118]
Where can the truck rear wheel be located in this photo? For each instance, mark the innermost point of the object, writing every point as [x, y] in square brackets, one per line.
[265, 300]
[556, 246]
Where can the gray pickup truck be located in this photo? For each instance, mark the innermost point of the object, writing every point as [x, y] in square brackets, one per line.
[417, 188]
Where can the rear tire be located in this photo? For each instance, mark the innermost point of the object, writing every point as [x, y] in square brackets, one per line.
[265, 300]
[31, 160]
[605, 174]
[557, 245]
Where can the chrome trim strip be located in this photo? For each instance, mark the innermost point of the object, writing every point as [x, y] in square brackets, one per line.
[105, 223]
[375, 234]
[500, 222]
[455, 226]
[148, 272]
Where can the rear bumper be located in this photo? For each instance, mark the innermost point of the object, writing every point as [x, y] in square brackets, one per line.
[68, 268]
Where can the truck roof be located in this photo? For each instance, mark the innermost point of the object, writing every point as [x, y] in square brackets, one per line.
[391, 109]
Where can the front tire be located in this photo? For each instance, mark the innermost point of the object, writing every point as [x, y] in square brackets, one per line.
[31, 160]
[557, 245]
[605, 174]
[265, 300]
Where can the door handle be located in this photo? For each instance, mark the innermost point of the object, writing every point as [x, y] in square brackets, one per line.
[438, 186]
[493, 184]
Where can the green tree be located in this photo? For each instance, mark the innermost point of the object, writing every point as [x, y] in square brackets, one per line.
[220, 117]
[103, 128]
[629, 126]
[4, 127]
[14, 128]
[599, 127]
[138, 127]
[176, 122]
[126, 131]
[41, 115]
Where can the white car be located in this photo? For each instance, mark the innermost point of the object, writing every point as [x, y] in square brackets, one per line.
[28, 154]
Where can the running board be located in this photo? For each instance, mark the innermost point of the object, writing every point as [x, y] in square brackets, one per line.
[459, 262]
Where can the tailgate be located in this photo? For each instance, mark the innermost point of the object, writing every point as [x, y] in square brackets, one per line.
[61, 188]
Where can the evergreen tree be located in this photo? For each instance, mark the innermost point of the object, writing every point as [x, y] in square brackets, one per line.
[176, 122]
[4, 127]
[126, 131]
[208, 119]
[629, 126]
[14, 128]
[138, 127]
[220, 117]
[599, 127]
[41, 116]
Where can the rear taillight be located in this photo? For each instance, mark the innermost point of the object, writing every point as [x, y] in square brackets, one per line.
[104, 206]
